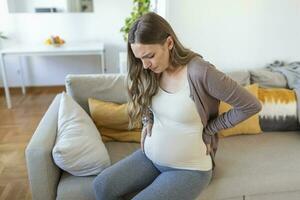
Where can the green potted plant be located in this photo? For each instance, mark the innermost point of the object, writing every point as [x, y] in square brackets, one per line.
[140, 7]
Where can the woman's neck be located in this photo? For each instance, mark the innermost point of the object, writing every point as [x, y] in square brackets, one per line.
[173, 71]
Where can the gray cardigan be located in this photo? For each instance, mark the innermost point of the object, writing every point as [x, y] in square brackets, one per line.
[207, 87]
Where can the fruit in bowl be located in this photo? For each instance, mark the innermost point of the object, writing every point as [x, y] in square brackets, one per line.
[55, 41]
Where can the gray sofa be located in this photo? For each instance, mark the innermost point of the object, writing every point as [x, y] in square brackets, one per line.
[252, 167]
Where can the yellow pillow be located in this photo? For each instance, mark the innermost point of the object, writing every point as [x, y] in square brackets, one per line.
[112, 121]
[249, 126]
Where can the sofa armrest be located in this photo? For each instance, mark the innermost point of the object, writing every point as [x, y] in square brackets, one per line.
[43, 174]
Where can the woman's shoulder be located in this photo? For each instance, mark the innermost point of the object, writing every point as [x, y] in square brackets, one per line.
[198, 66]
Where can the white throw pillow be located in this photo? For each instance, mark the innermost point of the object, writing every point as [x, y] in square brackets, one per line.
[79, 149]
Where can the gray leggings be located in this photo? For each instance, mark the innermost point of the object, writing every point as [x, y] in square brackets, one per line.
[137, 173]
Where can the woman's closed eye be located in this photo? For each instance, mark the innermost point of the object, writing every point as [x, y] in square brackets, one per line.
[151, 56]
[148, 56]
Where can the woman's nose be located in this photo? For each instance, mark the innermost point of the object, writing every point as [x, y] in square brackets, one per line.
[146, 64]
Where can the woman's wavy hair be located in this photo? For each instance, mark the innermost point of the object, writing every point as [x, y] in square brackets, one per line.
[142, 83]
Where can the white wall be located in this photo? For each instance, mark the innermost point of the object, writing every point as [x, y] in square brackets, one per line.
[103, 25]
[231, 34]
[236, 34]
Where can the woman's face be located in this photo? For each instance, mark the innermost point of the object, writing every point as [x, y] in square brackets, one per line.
[154, 56]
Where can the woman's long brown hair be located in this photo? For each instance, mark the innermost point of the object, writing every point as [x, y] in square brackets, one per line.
[142, 84]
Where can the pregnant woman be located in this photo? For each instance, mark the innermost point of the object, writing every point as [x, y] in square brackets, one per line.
[177, 94]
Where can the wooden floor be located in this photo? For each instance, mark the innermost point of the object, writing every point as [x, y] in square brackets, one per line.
[16, 128]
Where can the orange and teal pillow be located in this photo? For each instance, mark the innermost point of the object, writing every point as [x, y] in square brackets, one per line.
[279, 109]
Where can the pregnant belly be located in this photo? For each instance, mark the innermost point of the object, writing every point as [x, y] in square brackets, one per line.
[175, 147]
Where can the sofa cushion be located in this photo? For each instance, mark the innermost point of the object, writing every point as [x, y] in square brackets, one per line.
[266, 78]
[112, 87]
[75, 187]
[246, 165]
[112, 121]
[81, 188]
[107, 87]
[119, 150]
[256, 164]
[288, 195]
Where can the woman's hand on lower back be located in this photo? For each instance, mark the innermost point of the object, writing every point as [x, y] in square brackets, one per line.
[207, 139]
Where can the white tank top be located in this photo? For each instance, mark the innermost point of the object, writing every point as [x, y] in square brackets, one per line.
[176, 139]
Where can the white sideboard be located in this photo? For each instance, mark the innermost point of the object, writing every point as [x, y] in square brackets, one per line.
[68, 49]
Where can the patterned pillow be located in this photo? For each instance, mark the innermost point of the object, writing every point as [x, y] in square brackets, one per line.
[279, 109]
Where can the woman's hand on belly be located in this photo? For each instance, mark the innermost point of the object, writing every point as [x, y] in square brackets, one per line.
[147, 130]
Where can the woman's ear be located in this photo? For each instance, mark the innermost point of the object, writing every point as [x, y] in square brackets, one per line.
[170, 42]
